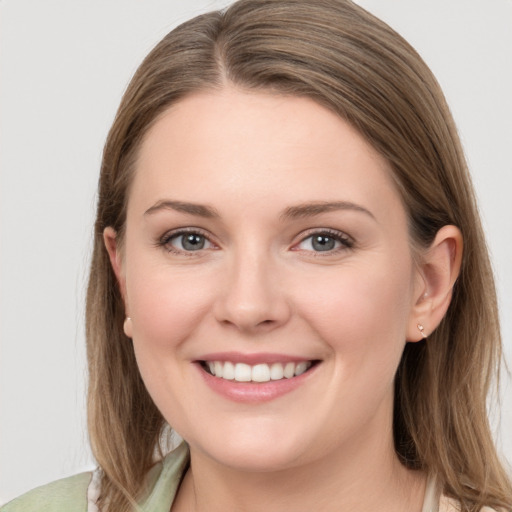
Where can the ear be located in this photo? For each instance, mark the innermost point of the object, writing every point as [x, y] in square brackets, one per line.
[116, 260]
[114, 254]
[435, 277]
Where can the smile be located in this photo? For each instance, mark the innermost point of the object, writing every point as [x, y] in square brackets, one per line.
[263, 372]
[255, 378]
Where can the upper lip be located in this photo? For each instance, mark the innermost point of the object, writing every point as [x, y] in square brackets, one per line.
[253, 358]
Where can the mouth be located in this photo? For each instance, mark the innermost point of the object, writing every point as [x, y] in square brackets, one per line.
[257, 373]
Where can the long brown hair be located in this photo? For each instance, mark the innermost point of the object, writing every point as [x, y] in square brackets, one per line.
[347, 60]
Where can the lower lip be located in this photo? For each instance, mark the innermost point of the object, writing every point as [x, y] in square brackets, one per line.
[252, 392]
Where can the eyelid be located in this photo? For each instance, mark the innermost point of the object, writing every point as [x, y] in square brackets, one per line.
[165, 239]
[346, 240]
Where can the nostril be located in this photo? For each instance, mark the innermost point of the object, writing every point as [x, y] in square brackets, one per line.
[266, 324]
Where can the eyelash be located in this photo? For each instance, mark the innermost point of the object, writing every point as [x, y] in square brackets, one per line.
[346, 242]
[338, 236]
[166, 239]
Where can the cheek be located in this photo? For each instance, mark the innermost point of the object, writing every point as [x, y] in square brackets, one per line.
[165, 306]
[166, 309]
[361, 310]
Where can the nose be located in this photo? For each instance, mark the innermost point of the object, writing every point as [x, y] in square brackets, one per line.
[252, 296]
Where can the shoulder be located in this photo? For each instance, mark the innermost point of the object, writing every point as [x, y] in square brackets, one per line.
[79, 493]
[66, 495]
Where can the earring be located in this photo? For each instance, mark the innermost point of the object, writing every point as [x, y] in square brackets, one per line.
[127, 327]
[421, 329]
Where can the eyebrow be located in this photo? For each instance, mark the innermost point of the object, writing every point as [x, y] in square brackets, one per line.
[303, 210]
[318, 207]
[181, 206]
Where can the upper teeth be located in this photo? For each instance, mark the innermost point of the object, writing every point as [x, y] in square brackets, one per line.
[242, 372]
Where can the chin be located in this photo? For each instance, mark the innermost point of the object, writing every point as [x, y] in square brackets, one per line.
[263, 459]
[250, 451]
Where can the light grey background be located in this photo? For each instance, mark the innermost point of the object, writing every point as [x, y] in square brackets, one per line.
[64, 65]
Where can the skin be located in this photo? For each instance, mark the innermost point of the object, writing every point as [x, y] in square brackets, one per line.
[259, 286]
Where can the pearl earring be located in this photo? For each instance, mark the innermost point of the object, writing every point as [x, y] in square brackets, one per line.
[127, 327]
[422, 330]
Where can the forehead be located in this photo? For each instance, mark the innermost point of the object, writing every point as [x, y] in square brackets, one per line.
[232, 143]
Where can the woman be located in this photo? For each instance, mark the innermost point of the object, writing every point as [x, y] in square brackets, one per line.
[289, 270]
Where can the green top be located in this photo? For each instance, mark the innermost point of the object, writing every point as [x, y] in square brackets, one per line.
[70, 494]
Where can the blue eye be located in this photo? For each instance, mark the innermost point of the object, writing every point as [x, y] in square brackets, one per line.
[186, 241]
[189, 242]
[325, 242]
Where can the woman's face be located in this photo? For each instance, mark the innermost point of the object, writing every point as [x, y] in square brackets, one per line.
[264, 239]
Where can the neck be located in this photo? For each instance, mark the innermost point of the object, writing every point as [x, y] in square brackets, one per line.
[366, 476]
